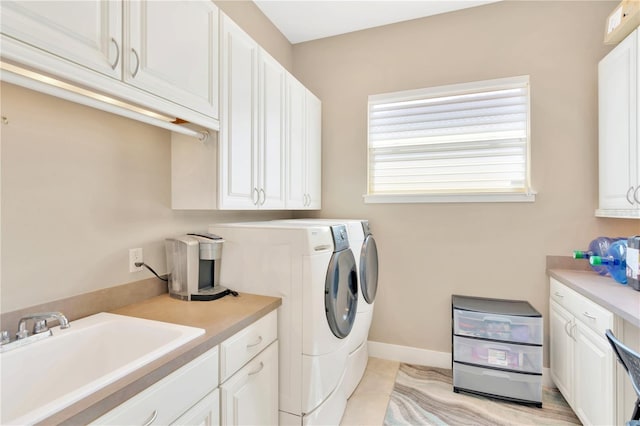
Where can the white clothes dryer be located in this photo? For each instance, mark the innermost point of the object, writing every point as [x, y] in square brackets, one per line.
[365, 252]
[312, 269]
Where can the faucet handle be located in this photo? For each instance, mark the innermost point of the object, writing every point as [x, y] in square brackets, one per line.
[40, 326]
[4, 337]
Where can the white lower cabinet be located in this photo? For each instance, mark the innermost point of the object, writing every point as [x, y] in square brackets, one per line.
[583, 365]
[170, 398]
[250, 397]
[204, 413]
[246, 393]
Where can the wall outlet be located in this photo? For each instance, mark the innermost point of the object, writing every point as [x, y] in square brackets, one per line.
[135, 256]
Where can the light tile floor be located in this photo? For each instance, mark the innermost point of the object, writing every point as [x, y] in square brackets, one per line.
[368, 403]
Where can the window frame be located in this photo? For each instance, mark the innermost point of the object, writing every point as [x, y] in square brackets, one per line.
[528, 195]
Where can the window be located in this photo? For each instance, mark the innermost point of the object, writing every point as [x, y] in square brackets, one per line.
[457, 143]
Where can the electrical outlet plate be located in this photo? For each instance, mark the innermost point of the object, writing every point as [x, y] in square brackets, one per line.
[135, 256]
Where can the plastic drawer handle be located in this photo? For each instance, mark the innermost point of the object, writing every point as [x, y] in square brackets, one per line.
[153, 418]
[498, 319]
[251, 345]
[497, 347]
[495, 374]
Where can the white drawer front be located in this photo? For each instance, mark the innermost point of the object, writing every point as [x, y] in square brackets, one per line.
[594, 316]
[590, 313]
[238, 349]
[165, 401]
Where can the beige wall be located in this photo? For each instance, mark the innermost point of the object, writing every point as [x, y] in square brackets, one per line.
[430, 251]
[80, 187]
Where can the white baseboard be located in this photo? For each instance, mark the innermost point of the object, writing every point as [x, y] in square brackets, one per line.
[411, 355]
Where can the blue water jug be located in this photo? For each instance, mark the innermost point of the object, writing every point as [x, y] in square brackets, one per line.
[615, 260]
[597, 247]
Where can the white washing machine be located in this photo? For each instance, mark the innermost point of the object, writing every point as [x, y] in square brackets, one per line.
[314, 272]
[365, 252]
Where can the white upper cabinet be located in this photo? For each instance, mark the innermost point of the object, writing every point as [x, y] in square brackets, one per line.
[619, 152]
[271, 133]
[88, 33]
[304, 160]
[238, 118]
[171, 51]
[252, 133]
[161, 55]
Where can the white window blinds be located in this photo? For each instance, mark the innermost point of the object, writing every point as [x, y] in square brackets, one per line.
[470, 138]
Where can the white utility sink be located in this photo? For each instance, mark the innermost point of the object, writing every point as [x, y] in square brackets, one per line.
[44, 377]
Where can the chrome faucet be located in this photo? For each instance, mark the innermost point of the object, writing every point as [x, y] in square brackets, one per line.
[40, 323]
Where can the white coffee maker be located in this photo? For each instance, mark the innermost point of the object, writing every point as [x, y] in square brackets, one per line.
[193, 262]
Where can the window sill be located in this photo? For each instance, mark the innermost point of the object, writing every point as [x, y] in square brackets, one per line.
[450, 198]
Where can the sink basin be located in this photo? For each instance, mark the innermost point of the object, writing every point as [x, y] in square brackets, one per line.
[44, 377]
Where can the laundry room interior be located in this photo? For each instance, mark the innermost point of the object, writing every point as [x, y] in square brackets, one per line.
[92, 195]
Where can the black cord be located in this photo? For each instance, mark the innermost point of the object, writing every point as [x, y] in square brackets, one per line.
[139, 264]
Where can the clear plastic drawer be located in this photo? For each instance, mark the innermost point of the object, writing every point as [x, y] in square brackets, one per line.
[523, 387]
[497, 354]
[508, 328]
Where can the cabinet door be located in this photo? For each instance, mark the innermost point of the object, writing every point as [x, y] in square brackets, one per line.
[594, 399]
[561, 352]
[172, 51]
[296, 149]
[250, 397]
[204, 413]
[238, 118]
[271, 133]
[618, 120]
[88, 32]
[314, 151]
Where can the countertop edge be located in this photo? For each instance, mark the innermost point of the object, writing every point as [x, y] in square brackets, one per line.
[601, 290]
[111, 396]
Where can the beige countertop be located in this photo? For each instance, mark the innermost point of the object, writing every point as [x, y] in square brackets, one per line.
[620, 299]
[220, 318]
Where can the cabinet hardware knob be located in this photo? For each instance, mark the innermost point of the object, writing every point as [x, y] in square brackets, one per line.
[135, 71]
[258, 370]
[629, 194]
[115, 63]
[255, 344]
[588, 315]
[152, 419]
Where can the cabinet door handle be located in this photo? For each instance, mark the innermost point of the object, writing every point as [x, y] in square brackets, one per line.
[566, 330]
[255, 344]
[573, 334]
[264, 197]
[258, 370]
[588, 315]
[152, 419]
[115, 63]
[629, 194]
[255, 197]
[135, 71]
[636, 194]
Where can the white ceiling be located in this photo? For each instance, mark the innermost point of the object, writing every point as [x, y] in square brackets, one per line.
[304, 20]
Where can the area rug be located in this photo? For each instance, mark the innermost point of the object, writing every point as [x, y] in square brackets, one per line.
[424, 396]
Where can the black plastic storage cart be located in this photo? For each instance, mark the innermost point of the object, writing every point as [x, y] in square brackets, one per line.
[497, 348]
